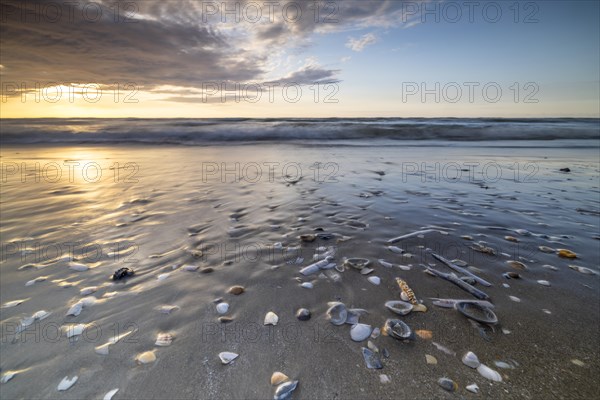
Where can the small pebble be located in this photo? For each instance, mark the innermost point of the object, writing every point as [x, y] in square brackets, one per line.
[236, 290]
[383, 378]
[303, 314]
[307, 285]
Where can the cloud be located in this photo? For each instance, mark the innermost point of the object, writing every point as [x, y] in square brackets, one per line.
[175, 43]
[359, 44]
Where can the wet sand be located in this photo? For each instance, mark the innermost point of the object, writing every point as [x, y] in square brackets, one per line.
[171, 206]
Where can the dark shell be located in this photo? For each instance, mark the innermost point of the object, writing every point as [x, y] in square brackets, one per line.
[398, 330]
[371, 359]
[477, 312]
[303, 314]
[122, 273]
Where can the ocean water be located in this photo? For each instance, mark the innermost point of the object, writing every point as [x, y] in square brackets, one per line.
[103, 194]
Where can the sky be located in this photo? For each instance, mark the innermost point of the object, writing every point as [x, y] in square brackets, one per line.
[386, 58]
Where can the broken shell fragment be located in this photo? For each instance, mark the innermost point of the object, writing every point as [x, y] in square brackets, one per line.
[163, 339]
[372, 360]
[517, 265]
[477, 312]
[397, 329]
[357, 263]
[399, 307]
[360, 332]
[146, 357]
[489, 373]
[471, 360]
[271, 318]
[227, 357]
[447, 384]
[278, 378]
[564, 253]
[337, 313]
[66, 383]
[284, 391]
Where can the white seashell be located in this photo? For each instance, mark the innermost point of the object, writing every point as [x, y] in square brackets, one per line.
[404, 296]
[385, 263]
[471, 360]
[190, 268]
[222, 308]
[8, 375]
[278, 378]
[552, 267]
[162, 277]
[271, 318]
[489, 373]
[34, 281]
[88, 301]
[75, 309]
[109, 395]
[13, 303]
[146, 357]
[166, 309]
[40, 315]
[405, 267]
[506, 285]
[88, 290]
[78, 267]
[164, 339]
[102, 349]
[473, 388]
[227, 357]
[75, 330]
[395, 249]
[543, 282]
[583, 270]
[307, 285]
[375, 280]
[360, 332]
[66, 383]
[515, 299]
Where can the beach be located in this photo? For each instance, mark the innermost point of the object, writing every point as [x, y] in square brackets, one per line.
[192, 221]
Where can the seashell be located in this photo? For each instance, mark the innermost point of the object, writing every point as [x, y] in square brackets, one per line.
[337, 313]
[75, 330]
[271, 318]
[190, 268]
[375, 280]
[303, 314]
[88, 290]
[511, 275]
[466, 237]
[222, 308]
[543, 282]
[8, 375]
[404, 296]
[385, 263]
[473, 388]
[577, 362]
[517, 265]
[88, 301]
[122, 273]
[227, 357]
[146, 357]
[78, 267]
[13, 303]
[371, 346]
[551, 267]
[523, 232]
[511, 239]
[397, 329]
[102, 349]
[383, 378]
[75, 309]
[357, 263]
[546, 249]
[460, 263]
[371, 359]
[307, 285]
[489, 373]
[583, 270]
[40, 315]
[360, 332]
[503, 365]
[162, 277]
[225, 320]
[564, 253]
[410, 296]
[66, 383]
[515, 299]
[163, 339]
[424, 334]
[395, 249]
[431, 360]
[236, 290]
[405, 267]
[278, 378]
[366, 271]
[419, 308]
[109, 395]
[36, 280]
[354, 315]
[477, 312]
[399, 307]
[447, 384]
[284, 391]
[375, 334]
[471, 360]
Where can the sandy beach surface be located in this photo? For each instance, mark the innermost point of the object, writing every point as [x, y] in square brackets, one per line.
[71, 216]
